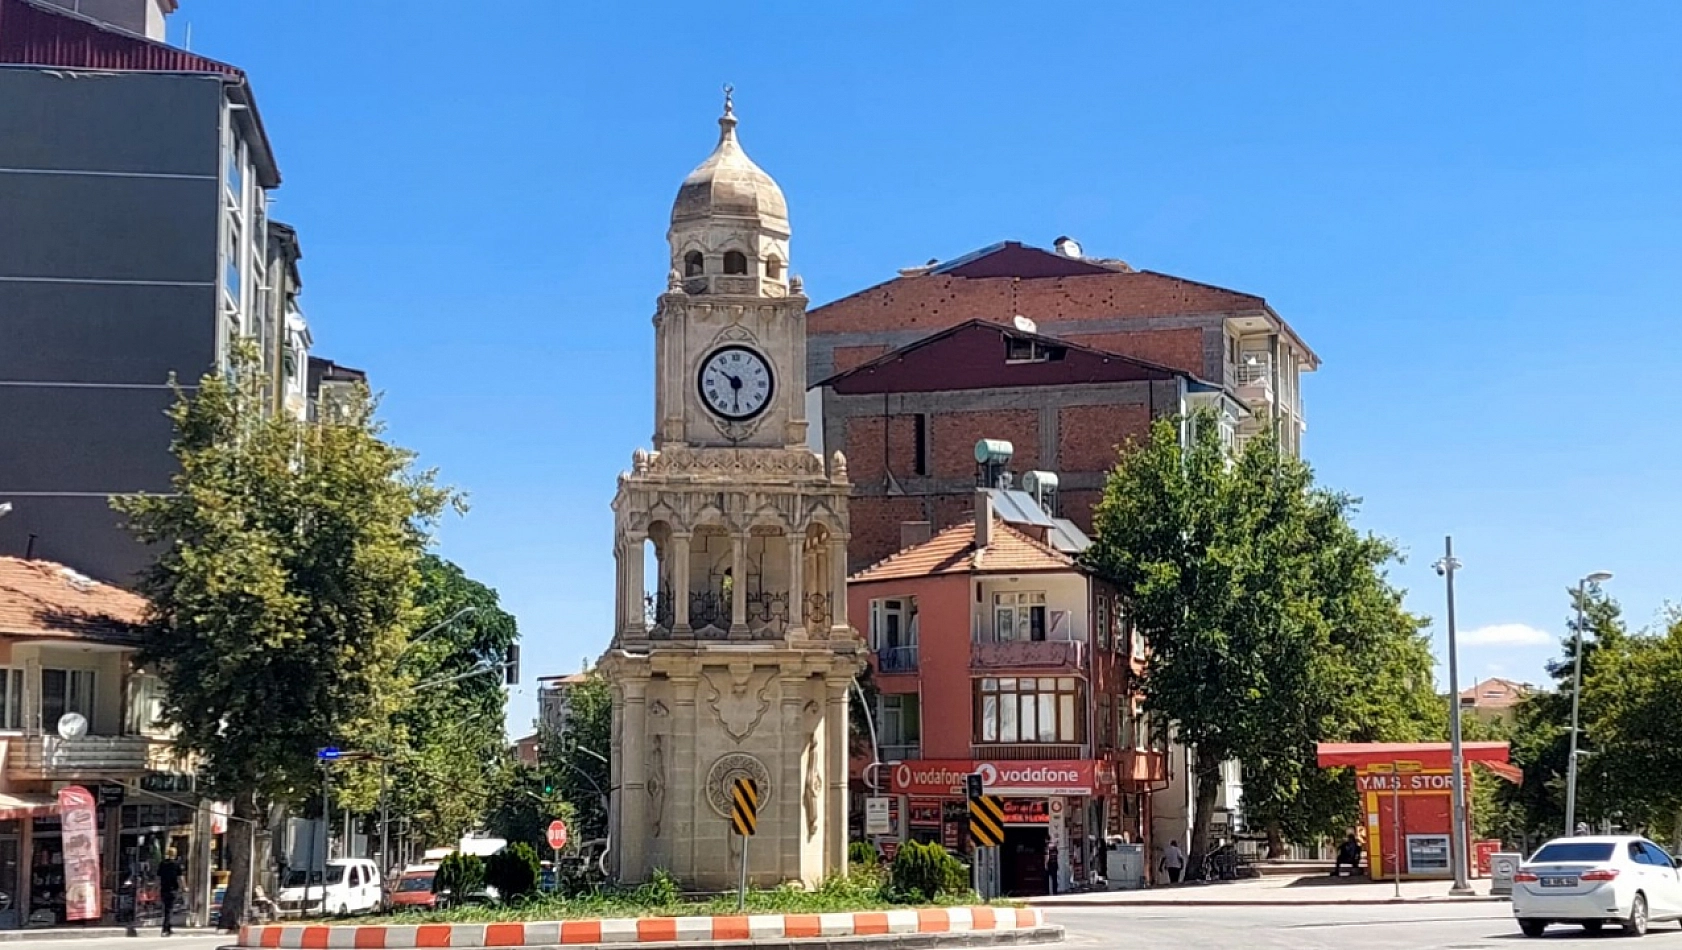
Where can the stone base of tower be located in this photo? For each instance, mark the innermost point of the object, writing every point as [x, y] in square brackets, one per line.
[689, 722]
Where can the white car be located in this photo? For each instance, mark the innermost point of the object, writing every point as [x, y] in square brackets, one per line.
[351, 886]
[1594, 881]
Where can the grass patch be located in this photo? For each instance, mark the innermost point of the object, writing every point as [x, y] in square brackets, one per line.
[858, 891]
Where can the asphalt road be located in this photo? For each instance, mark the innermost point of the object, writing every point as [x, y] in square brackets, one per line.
[148, 940]
[1410, 927]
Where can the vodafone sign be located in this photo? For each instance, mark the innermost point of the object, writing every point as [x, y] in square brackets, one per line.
[1028, 777]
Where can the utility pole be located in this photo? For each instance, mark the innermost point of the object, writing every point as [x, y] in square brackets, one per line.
[1577, 691]
[1457, 762]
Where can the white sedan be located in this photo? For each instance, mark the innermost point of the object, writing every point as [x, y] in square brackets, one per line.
[1594, 881]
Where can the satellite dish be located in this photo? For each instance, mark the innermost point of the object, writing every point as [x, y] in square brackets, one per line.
[72, 726]
[1024, 324]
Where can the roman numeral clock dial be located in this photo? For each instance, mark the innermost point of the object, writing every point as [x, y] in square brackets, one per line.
[736, 383]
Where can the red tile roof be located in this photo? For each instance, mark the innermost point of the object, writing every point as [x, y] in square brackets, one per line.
[44, 599]
[953, 551]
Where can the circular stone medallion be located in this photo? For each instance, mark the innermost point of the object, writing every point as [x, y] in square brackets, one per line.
[729, 768]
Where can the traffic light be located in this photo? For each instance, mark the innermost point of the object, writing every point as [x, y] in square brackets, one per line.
[548, 786]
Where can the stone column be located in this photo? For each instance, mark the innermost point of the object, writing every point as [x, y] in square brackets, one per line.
[633, 793]
[621, 619]
[781, 861]
[838, 586]
[835, 751]
[680, 581]
[631, 580]
[738, 585]
[616, 773]
[796, 584]
[686, 772]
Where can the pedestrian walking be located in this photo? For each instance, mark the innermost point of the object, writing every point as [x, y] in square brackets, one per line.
[1051, 869]
[169, 885]
[1173, 862]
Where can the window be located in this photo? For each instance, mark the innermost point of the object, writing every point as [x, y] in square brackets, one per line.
[735, 262]
[1019, 615]
[920, 444]
[1019, 350]
[1106, 724]
[1103, 621]
[231, 263]
[901, 722]
[893, 623]
[773, 268]
[693, 264]
[1572, 852]
[1029, 709]
[146, 704]
[64, 692]
[11, 698]
[235, 176]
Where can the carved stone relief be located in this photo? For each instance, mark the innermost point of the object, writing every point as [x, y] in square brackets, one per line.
[726, 770]
[739, 699]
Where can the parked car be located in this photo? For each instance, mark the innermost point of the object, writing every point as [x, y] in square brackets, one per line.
[414, 889]
[349, 886]
[1594, 881]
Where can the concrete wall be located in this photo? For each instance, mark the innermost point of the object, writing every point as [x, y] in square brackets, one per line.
[109, 190]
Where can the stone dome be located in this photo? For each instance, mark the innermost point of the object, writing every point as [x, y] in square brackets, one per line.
[729, 185]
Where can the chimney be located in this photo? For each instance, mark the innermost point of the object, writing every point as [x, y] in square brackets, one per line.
[1067, 246]
[983, 518]
[140, 17]
[913, 533]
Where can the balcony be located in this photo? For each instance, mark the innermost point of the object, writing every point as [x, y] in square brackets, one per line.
[897, 659]
[50, 758]
[1251, 379]
[1064, 656]
[1029, 750]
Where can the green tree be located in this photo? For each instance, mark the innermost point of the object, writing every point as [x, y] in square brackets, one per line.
[1541, 733]
[283, 590]
[1269, 619]
[577, 761]
[1632, 734]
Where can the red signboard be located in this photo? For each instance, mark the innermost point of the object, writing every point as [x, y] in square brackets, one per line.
[925, 813]
[1411, 782]
[1029, 777]
[1025, 811]
[1483, 853]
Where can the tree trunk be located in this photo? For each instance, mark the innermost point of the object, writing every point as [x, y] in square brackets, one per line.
[1275, 841]
[1208, 788]
[242, 839]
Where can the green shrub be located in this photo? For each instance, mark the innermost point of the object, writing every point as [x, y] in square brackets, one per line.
[660, 891]
[461, 875]
[513, 871]
[923, 872]
[861, 854]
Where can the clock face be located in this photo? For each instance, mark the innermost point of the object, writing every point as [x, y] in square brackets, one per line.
[736, 383]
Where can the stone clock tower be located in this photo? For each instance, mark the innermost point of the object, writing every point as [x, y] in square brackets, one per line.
[732, 655]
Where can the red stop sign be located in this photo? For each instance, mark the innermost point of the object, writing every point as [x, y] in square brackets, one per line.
[557, 834]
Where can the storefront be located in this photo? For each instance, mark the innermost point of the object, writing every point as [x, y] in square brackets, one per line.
[1406, 794]
[1052, 804]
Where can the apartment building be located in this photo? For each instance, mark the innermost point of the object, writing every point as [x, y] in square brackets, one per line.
[1065, 356]
[137, 248]
[994, 651]
[76, 710]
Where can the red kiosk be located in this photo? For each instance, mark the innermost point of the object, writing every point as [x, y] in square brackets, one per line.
[1406, 799]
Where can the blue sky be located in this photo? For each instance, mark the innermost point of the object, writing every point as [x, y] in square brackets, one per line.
[1469, 210]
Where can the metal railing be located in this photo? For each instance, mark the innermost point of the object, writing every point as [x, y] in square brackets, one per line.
[819, 611]
[43, 757]
[1030, 750]
[897, 659]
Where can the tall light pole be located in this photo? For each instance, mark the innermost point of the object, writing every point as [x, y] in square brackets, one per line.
[1576, 691]
[1457, 781]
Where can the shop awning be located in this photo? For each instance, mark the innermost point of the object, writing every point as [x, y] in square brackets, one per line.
[1430, 755]
[25, 804]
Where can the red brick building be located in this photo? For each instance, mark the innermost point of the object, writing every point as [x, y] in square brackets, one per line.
[1065, 357]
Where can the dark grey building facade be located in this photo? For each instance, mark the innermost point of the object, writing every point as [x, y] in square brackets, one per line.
[134, 248]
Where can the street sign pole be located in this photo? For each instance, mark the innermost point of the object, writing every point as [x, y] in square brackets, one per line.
[742, 882]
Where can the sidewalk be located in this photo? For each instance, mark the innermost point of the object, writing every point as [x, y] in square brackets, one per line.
[1308, 891]
[93, 933]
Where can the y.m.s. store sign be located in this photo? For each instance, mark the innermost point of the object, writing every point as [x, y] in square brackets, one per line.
[1027, 777]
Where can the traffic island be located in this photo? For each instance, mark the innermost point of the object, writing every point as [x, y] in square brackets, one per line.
[939, 926]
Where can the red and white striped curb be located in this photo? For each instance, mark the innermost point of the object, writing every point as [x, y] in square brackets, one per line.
[642, 930]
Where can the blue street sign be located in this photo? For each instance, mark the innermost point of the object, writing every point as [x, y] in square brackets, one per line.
[327, 754]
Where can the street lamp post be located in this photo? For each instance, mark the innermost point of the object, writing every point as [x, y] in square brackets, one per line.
[1576, 691]
[1457, 763]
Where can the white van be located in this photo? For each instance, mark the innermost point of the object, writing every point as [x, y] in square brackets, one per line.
[352, 887]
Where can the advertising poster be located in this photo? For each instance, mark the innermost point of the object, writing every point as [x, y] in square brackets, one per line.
[81, 853]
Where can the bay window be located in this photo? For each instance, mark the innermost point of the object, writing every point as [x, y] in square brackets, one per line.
[1029, 709]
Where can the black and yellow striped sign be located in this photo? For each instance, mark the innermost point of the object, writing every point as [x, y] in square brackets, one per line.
[986, 822]
[744, 806]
